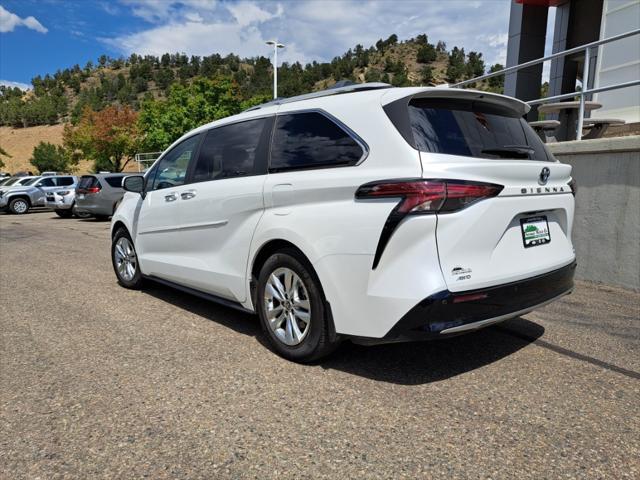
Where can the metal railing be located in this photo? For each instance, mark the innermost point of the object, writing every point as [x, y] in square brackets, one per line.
[585, 91]
[146, 157]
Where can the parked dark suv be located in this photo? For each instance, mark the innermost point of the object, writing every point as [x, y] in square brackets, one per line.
[99, 194]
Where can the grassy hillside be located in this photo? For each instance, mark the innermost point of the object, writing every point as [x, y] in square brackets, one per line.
[26, 118]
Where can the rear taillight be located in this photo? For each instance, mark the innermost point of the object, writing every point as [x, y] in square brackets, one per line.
[421, 196]
[573, 186]
[89, 190]
[417, 195]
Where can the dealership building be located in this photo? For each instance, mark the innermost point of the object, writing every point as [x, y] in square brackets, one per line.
[577, 22]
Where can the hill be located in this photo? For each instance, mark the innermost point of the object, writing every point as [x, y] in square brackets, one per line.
[61, 97]
[26, 118]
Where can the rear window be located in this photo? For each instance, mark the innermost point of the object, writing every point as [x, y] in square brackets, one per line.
[472, 129]
[115, 182]
[88, 181]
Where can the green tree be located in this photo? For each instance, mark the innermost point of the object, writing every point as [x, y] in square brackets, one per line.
[426, 54]
[3, 153]
[496, 84]
[456, 67]
[475, 65]
[49, 157]
[426, 74]
[186, 107]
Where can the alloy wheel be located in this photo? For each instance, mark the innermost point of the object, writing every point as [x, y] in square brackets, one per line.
[20, 206]
[125, 259]
[287, 306]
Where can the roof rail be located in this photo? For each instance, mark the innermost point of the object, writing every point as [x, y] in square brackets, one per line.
[356, 87]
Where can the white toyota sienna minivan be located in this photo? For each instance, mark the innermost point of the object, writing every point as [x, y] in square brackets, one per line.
[366, 212]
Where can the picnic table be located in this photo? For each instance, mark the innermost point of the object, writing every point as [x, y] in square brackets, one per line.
[570, 109]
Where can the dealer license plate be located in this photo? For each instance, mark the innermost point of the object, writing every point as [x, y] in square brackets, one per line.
[535, 231]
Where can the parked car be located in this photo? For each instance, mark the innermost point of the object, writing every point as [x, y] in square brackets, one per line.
[99, 194]
[20, 198]
[63, 202]
[6, 179]
[15, 182]
[370, 213]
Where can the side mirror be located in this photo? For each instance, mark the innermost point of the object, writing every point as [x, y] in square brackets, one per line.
[133, 183]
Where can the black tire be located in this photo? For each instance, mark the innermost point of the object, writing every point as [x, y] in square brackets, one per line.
[136, 282]
[81, 214]
[320, 340]
[78, 214]
[64, 213]
[19, 206]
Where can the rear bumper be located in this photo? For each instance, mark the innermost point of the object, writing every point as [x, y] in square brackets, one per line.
[94, 208]
[446, 313]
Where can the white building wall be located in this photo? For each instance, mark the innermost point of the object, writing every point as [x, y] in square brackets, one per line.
[619, 62]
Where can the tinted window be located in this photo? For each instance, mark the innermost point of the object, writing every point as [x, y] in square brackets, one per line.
[27, 181]
[172, 169]
[10, 181]
[88, 181]
[229, 151]
[64, 181]
[115, 182]
[472, 129]
[46, 182]
[308, 140]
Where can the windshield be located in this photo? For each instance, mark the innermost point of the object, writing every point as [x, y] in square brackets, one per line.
[30, 181]
[473, 129]
[9, 181]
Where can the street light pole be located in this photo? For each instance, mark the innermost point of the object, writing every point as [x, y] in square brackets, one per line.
[276, 46]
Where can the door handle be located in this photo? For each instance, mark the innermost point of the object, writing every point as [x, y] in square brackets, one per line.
[188, 194]
[170, 197]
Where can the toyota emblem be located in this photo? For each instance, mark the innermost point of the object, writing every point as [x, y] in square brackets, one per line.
[544, 176]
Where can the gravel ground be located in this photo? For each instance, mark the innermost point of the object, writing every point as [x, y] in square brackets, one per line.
[100, 382]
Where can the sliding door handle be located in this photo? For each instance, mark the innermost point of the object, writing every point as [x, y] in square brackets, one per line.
[170, 197]
[188, 194]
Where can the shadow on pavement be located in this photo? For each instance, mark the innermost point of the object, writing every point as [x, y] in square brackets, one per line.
[241, 322]
[402, 363]
[424, 362]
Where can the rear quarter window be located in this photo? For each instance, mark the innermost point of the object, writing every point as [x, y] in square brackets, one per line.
[64, 181]
[115, 182]
[311, 140]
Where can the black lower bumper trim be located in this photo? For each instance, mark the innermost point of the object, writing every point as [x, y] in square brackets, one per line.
[446, 310]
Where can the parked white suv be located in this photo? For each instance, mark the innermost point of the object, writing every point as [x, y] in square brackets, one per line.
[367, 212]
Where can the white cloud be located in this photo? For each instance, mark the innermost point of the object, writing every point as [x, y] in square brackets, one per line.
[9, 21]
[247, 13]
[156, 11]
[313, 29]
[9, 83]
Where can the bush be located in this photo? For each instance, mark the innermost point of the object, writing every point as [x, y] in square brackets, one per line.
[426, 54]
[49, 157]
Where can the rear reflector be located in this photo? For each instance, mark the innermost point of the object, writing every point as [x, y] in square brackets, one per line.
[470, 297]
[420, 196]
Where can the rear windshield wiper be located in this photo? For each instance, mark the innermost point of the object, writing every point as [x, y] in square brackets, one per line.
[517, 151]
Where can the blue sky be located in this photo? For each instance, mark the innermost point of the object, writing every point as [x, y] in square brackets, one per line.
[41, 36]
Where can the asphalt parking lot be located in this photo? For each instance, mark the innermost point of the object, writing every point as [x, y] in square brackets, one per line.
[100, 382]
